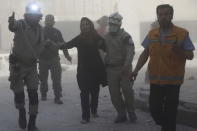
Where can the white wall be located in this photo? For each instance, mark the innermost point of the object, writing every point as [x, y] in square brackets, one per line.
[133, 11]
[136, 11]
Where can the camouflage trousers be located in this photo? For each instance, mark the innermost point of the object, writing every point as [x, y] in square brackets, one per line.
[54, 66]
[121, 91]
[25, 76]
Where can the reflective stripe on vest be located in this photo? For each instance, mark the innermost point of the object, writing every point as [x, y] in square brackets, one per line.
[165, 67]
[166, 78]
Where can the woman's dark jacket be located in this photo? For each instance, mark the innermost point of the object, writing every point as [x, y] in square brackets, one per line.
[90, 65]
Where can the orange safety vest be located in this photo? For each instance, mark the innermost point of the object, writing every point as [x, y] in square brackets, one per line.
[165, 67]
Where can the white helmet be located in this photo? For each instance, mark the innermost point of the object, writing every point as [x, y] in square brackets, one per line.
[33, 8]
[115, 18]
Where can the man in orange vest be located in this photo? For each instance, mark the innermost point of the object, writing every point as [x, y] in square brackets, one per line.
[168, 47]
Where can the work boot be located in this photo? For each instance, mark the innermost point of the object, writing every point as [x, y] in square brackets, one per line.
[95, 115]
[44, 97]
[22, 118]
[120, 119]
[57, 100]
[84, 121]
[32, 123]
[132, 116]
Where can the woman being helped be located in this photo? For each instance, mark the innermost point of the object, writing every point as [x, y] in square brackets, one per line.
[90, 70]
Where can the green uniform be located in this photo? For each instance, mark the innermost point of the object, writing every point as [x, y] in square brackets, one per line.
[120, 52]
[23, 71]
[50, 61]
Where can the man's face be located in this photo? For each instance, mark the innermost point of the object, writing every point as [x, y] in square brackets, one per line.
[49, 21]
[114, 28]
[164, 16]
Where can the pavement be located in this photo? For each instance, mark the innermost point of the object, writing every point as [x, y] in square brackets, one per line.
[66, 117]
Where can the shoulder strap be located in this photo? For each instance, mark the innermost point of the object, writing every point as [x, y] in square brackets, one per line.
[30, 45]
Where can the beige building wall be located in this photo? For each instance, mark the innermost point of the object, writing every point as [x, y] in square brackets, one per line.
[133, 12]
[136, 11]
[62, 9]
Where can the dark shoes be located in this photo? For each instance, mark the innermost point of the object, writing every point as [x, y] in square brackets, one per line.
[120, 119]
[23, 122]
[32, 123]
[58, 101]
[43, 97]
[22, 119]
[132, 116]
[84, 121]
[34, 128]
[95, 115]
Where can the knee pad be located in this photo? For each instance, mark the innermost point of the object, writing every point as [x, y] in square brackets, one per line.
[33, 97]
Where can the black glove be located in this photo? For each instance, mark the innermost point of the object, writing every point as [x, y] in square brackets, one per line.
[11, 19]
[62, 47]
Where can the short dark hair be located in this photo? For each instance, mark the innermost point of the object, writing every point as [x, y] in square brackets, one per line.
[165, 6]
[50, 16]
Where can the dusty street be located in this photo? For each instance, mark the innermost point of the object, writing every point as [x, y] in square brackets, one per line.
[66, 117]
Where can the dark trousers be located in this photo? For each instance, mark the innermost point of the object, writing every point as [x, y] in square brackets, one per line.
[163, 103]
[54, 66]
[89, 95]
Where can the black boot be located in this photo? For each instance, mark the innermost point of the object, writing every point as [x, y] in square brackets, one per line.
[32, 123]
[120, 119]
[132, 116]
[44, 97]
[22, 118]
[57, 100]
[84, 121]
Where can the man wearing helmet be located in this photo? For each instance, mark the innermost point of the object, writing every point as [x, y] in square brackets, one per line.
[27, 45]
[120, 52]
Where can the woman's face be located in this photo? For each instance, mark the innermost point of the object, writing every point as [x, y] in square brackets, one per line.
[86, 26]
